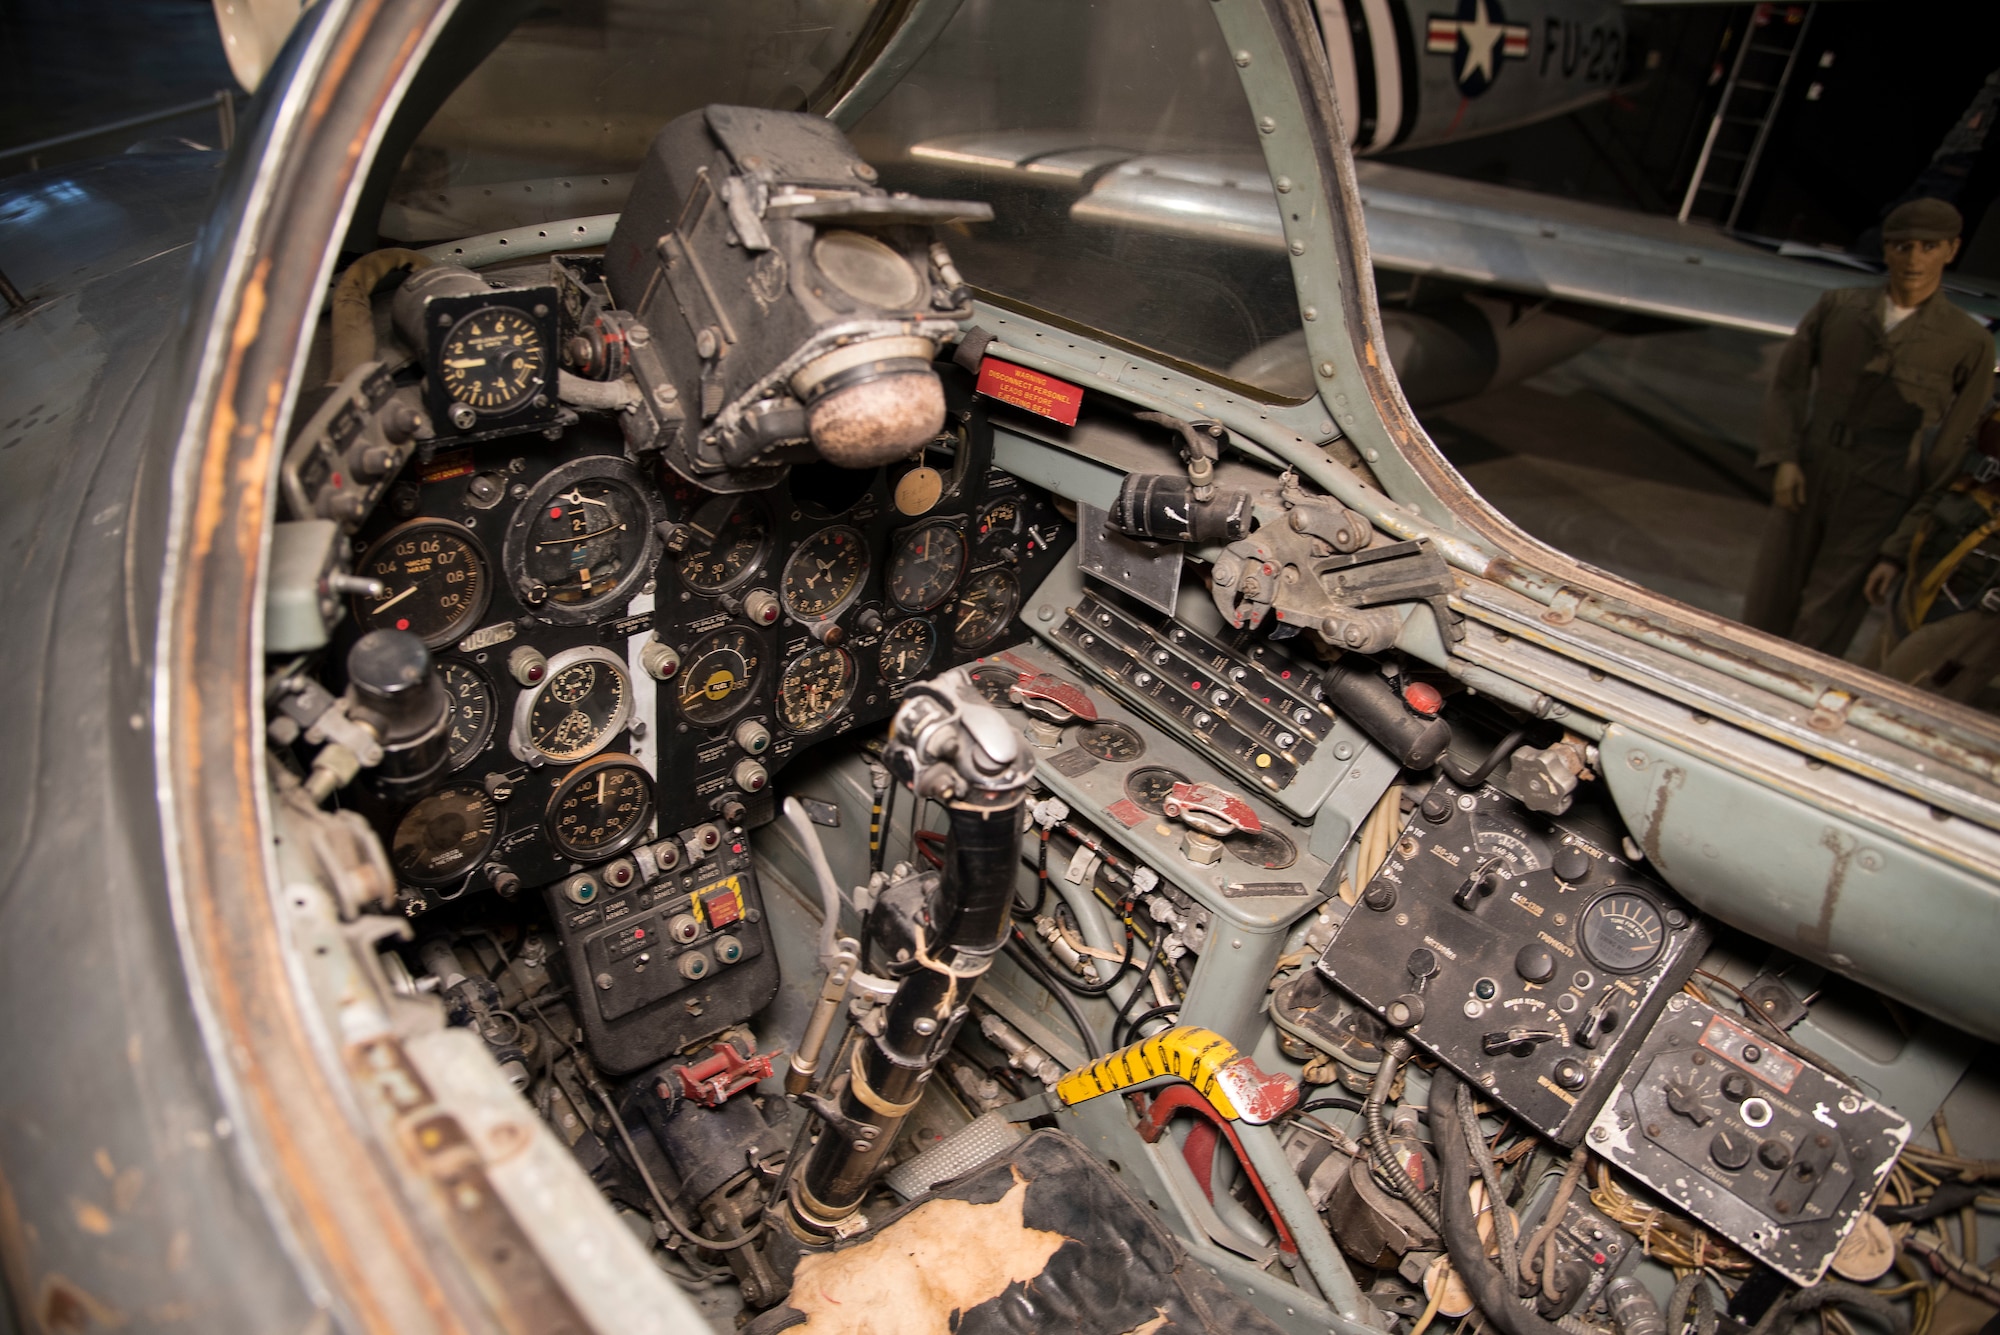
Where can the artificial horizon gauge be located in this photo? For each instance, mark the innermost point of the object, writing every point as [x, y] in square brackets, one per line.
[719, 676]
[824, 573]
[581, 541]
[471, 710]
[926, 567]
[445, 836]
[1148, 787]
[435, 581]
[984, 609]
[583, 700]
[715, 564]
[1111, 741]
[600, 809]
[493, 361]
[814, 688]
[907, 647]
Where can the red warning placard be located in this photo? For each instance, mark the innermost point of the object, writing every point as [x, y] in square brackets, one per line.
[1038, 393]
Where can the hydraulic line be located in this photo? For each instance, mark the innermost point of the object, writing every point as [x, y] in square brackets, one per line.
[1377, 1133]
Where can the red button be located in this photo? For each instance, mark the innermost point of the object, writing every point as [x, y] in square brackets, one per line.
[1423, 697]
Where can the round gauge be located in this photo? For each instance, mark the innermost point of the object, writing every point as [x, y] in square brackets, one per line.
[814, 687]
[445, 836]
[825, 573]
[720, 675]
[984, 608]
[434, 581]
[1111, 741]
[584, 700]
[907, 647]
[713, 564]
[1622, 930]
[582, 542]
[926, 566]
[993, 682]
[1148, 787]
[1261, 848]
[600, 809]
[1002, 519]
[471, 710]
[492, 361]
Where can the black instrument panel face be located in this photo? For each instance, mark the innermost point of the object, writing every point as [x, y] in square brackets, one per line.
[1517, 951]
[801, 613]
[486, 551]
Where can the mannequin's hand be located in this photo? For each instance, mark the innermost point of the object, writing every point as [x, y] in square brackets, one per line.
[1788, 489]
[1880, 583]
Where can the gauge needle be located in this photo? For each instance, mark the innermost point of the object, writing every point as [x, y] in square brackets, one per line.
[463, 363]
[578, 537]
[601, 776]
[383, 607]
[576, 497]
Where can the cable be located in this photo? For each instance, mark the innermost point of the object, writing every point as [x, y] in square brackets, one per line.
[1342, 1105]
[1825, 1293]
[1376, 1137]
[1144, 1017]
[1692, 1286]
[1145, 975]
[1541, 1247]
[1472, 778]
[1018, 948]
[1506, 1228]
[1104, 987]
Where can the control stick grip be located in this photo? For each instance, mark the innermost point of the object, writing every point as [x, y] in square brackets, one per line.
[1357, 690]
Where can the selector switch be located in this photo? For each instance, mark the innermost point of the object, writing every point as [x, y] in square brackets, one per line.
[1730, 1149]
[1774, 1154]
[1536, 963]
[1736, 1087]
[1570, 863]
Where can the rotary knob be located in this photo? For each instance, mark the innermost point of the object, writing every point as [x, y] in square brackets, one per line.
[1536, 963]
[1571, 863]
[1730, 1149]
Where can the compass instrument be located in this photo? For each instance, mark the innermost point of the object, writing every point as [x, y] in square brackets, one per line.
[814, 688]
[471, 710]
[907, 647]
[719, 676]
[1111, 741]
[712, 564]
[600, 809]
[583, 701]
[926, 567]
[434, 577]
[825, 573]
[984, 609]
[445, 836]
[1148, 787]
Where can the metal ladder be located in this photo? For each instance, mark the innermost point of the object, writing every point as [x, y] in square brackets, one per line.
[1743, 118]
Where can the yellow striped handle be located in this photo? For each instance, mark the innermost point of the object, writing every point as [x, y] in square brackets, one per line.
[1196, 1055]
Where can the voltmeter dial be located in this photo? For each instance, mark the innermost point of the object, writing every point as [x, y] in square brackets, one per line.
[600, 809]
[1622, 930]
[583, 701]
[825, 573]
[814, 688]
[714, 563]
[907, 647]
[471, 710]
[1111, 741]
[493, 361]
[926, 567]
[435, 581]
[720, 675]
[444, 837]
[984, 609]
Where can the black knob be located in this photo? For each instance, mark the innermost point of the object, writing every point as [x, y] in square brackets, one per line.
[1571, 863]
[1730, 1149]
[1380, 897]
[1536, 962]
[1436, 807]
[1774, 1154]
[504, 882]
[1736, 1087]
[397, 695]
[388, 666]
[1423, 964]
[870, 621]
[1569, 1074]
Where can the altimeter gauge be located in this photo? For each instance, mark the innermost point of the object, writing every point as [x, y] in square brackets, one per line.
[907, 647]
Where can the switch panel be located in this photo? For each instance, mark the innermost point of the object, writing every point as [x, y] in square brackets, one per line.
[1517, 951]
[1765, 1148]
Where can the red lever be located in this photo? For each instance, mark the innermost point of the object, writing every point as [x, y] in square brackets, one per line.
[715, 1079]
[1210, 809]
[1052, 698]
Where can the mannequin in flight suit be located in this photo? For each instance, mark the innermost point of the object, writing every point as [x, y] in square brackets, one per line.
[1873, 401]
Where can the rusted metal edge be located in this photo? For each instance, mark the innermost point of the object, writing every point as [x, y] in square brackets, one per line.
[377, 1234]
